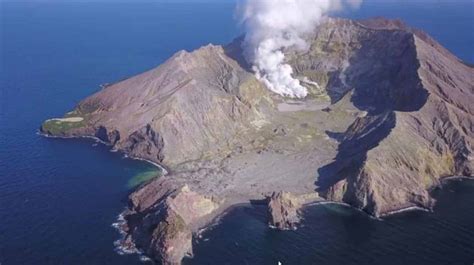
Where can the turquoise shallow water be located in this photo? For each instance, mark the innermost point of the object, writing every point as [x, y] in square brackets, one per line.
[58, 198]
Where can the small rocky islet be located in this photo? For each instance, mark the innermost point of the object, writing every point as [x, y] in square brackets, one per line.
[391, 116]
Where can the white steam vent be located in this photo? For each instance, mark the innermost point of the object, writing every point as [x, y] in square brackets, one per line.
[273, 25]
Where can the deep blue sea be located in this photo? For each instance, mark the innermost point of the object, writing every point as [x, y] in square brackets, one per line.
[59, 198]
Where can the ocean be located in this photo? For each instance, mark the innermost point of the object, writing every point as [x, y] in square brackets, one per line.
[60, 197]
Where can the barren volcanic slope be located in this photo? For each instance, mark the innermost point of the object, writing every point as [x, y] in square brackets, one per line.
[391, 116]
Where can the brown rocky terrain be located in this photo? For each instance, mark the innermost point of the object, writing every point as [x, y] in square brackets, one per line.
[283, 210]
[392, 115]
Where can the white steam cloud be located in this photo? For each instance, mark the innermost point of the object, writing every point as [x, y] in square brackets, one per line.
[273, 25]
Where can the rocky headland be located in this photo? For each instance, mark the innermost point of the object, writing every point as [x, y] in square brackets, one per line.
[390, 116]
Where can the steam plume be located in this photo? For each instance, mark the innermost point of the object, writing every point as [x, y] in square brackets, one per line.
[271, 26]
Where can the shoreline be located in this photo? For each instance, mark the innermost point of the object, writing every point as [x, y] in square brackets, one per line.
[216, 220]
[450, 178]
[97, 140]
[405, 209]
[120, 246]
[160, 167]
[124, 247]
[325, 202]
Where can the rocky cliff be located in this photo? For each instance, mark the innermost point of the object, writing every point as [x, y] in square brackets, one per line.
[283, 210]
[161, 217]
[391, 115]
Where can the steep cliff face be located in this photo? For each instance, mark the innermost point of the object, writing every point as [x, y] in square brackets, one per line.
[283, 210]
[418, 127]
[161, 218]
[390, 115]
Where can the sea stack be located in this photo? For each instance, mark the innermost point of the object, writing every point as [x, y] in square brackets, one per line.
[283, 210]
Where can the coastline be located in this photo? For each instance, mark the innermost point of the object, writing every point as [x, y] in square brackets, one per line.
[75, 168]
[216, 220]
[120, 245]
[450, 178]
[125, 246]
[97, 140]
[218, 217]
[405, 209]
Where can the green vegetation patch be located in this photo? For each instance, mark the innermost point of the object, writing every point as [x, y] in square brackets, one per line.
[88, 107]
[62, 126]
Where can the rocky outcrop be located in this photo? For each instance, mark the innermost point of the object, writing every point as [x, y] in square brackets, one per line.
[392, 115]
[283, 210]
[161, 218]
[145, 143]
[171, 240]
